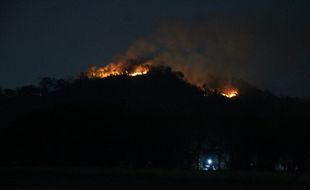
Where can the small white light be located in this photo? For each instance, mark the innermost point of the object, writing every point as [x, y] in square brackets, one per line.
[209, 161]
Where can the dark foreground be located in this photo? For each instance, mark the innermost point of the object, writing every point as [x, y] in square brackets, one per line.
[146, 179]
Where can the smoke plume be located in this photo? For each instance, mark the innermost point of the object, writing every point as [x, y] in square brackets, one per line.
[201, 50]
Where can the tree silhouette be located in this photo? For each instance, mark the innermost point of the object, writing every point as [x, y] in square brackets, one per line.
[9, 92]
[47, 84]
[29, 90]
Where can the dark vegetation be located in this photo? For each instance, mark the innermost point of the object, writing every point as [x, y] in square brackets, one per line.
[150, 121]
[123, 179]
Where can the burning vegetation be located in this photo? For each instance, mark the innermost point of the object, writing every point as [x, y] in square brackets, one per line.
[135, 67]
[230, 92]
[127, 67]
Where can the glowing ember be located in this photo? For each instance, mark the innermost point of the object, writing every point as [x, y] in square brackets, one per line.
[118, 68]
[140, 70]
[230, 92]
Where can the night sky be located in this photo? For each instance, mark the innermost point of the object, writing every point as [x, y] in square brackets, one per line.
[61, 38]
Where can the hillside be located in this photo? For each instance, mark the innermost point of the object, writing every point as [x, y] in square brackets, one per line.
[153, 120]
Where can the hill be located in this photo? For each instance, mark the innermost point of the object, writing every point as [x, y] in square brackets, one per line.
[153, 120]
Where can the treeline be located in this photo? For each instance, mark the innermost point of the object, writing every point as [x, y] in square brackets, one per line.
[153, 120]
[45, 86]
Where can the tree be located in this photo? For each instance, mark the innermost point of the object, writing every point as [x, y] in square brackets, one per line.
[60, 84]
[47, 84]
[9, 92]
[29, 90]
[91, 71]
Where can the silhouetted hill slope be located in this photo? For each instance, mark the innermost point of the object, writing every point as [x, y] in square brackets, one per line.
[151, 120]
[152, 90]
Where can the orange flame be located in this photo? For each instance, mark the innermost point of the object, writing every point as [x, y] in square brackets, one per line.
[230, 92]
[140, 70]
[135, 67]
[118, 68]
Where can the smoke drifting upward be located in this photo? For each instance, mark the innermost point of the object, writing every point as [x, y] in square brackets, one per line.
[265, 52]
[201, 51]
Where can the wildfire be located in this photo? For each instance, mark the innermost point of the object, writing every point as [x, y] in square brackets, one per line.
[140, 70]
[141, 67]
[230, 92]
[118, 68]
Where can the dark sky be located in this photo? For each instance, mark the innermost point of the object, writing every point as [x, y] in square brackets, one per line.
[60, 38]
